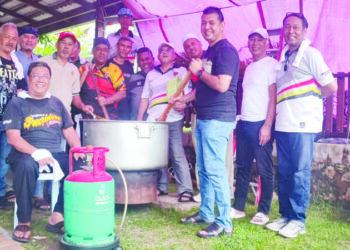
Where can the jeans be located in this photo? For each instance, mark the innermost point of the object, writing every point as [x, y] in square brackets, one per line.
[25, 174]
[294, 157]
[248, 149]
[178, 160]
[212, 137]
[5, 149]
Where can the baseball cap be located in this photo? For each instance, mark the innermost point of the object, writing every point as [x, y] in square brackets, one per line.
[189, 36]
[65, 34]
[28, 30]
[101, 40]
[125, 11]
[166, 44]
[260, 31]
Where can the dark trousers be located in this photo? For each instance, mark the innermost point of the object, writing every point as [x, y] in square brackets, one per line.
[294, 157]
[248, 149]
[25, 174]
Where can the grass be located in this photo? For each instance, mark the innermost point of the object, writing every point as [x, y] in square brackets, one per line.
[150, 227]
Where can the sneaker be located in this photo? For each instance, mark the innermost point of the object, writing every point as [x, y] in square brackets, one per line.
[5, 204]
[259, 219]
[292, 229]
[197, 197]
[236, 214]
[276, 225]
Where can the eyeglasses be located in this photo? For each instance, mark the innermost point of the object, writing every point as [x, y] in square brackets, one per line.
[287, 55]
[37, 77]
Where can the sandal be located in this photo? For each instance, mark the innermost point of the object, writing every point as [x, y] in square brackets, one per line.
[42, 205]
[186, 197]
[23, 229]
[213, 231]
[194, 219]
[10, 196]
[56, 228]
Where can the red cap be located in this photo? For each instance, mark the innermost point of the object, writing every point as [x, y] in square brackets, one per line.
[67, 34]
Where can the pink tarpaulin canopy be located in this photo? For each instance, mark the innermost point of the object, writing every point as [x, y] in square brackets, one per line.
[171, 20]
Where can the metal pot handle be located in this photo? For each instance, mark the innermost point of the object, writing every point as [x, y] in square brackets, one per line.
[145, 131]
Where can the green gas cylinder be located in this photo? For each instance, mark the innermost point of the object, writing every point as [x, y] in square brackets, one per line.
[89, 205]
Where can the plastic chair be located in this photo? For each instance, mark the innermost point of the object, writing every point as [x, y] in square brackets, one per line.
[54, 194]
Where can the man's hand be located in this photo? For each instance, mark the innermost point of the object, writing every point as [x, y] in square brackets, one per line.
[78, 156]
[102, 100]
[195, 65]
[45, 161]
[264, 135]
[88, 109]
[89, 66]
[179, 104]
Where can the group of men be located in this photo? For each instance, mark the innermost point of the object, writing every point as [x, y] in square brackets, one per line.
[36, 120]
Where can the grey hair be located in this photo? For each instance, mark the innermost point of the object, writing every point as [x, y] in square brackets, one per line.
[8, 25]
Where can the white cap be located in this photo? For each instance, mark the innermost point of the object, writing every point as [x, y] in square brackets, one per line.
[189, 36]
[260, 31]
[167, 44]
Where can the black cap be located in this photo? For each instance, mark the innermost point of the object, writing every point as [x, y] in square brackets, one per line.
[101, 40]
[28, 30]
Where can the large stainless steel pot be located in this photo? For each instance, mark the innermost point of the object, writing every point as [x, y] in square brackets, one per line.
[133, 145]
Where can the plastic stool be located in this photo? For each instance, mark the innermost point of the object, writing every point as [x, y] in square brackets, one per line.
[54, 194]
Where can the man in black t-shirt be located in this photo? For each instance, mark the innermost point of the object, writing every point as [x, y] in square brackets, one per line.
[35, 122]
[124, 47]
[11, 79]
[216, 88]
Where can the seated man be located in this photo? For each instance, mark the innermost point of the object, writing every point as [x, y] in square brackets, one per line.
[35, 122]
[109, 79]
[161, 83]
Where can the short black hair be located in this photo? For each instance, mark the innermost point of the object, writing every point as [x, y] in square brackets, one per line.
[298, 15]
[124, 38]
[211, 10]
[143, 50]
[38, 64]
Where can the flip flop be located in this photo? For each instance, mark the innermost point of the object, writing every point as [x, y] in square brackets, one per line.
[214, 230]
[42, 205]
[195, 219]
[24, 229]
[56, 228]
[10, 196]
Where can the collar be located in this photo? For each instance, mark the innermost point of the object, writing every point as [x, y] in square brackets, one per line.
[24, 94]
[157, 68]
[54, 56]
[129, 35]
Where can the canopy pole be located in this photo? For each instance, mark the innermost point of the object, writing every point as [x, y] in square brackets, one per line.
[99, 23]
[301, 6]
[262, 18]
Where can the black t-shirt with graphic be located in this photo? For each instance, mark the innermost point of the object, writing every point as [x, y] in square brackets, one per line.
[40, 121]
[8, 83]
[220, 59]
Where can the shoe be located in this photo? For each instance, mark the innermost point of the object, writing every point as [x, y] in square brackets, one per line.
[5, 204]
[214, 230]
[292, 229]
[197, 197]
[276, 225]
[259, 219]
[235, 214]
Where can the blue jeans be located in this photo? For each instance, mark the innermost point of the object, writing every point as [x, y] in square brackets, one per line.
[248, 149]
[178, 161]
[294, 157]
[212, 137]
[5, 149]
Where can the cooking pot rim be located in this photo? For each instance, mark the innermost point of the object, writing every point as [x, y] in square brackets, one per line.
[123, 121]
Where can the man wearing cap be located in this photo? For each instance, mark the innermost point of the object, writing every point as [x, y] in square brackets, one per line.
[65, 81]
[28, 39]
[254, 130]
[11, 79]
[124, 46]
[107, 76]
[216, 112]
[161, 83]
[303, 79]
[136, 82]
[125, 17]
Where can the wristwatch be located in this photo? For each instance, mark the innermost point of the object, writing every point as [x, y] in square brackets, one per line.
[199, 73]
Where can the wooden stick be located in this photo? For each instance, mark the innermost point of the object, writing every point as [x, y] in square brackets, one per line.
[104, 110]
[164, 115]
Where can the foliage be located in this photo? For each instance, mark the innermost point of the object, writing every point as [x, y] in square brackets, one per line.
[47, 42]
